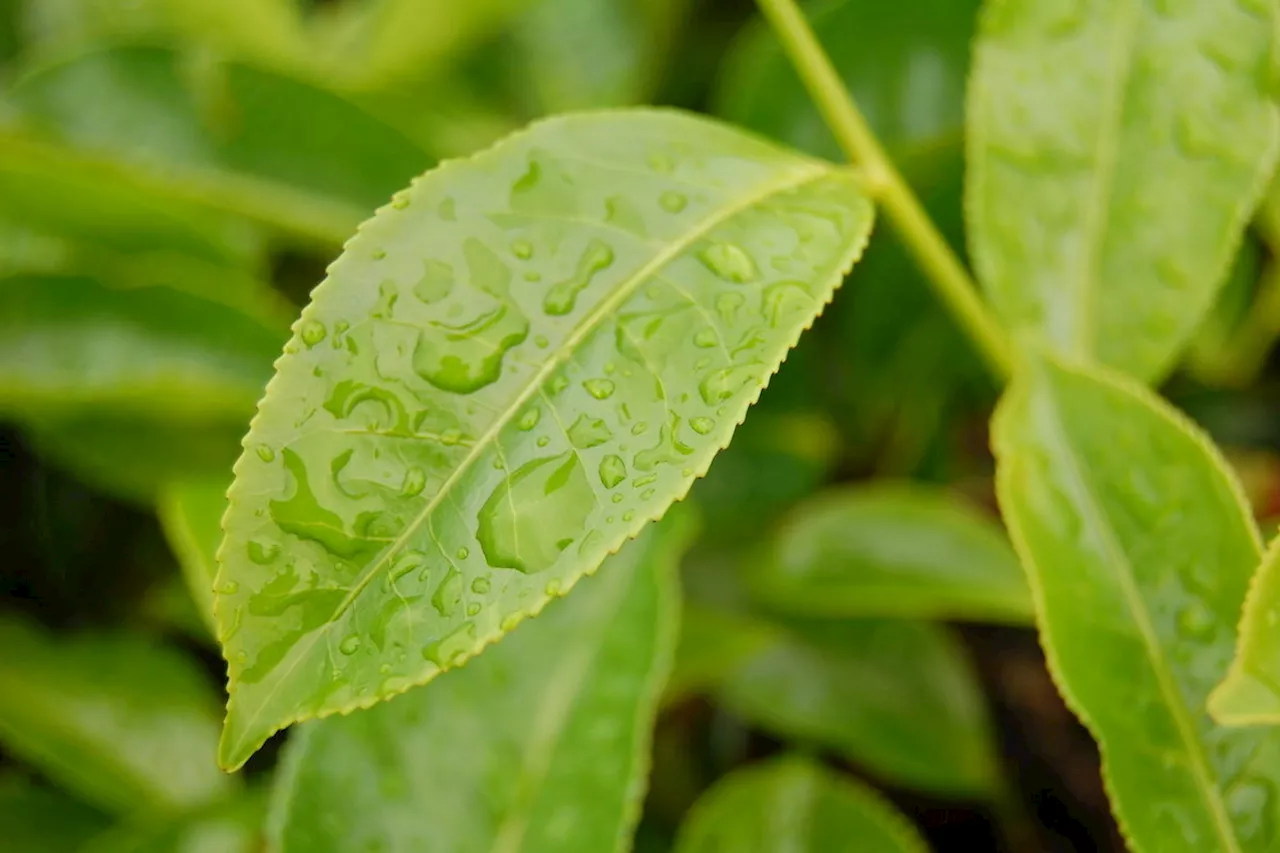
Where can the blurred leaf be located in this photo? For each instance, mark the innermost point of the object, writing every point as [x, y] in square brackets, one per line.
[647, 271]
[796, 805]
[126, 723]
[1217, 355]
[191, 514]
[133, 458]
[542, 744]
[267, 30]
[34, 819]
[233, 826]
[69, 346]
[1132, 177]
[169, 605]
[892, 549]
[271, 148]
[713, 643]
[1250, 695]
[1139, 547]
[896, 697]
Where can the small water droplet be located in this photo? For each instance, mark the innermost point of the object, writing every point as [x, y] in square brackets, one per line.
[612, 471]
[379, 254]
[702, 426]
[415, 480]
[400, 200]
[529, 419]
[601, 389]
[660, 162]
[672, 201]
[628, 515]
[532, 275]
[522, 249]
[510, 622]
[405, 563]
[463, 553]
[557, 384]
[541, 341]
[639, 428]
[451, 650]
[448, 594]
[473, 608]
[553, 589]
[729, 261]
[228, 588]
[706, 337]
[480, 585]
[646, 494]
[587, 432]
[350, 644]
[312, 332]
[618, 497]
[562, 296]
[263, 551]
[265, 453]
[543, 441]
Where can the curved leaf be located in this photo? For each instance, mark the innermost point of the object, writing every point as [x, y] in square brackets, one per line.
[127, 724]
[540, 745]
[1250, 694]
[892, 549]
[795, 805]
[69, 346]
[190, 512]
[1139, 547]
[896, 697]
[34, 819]
[511, 370]
[1132, 176]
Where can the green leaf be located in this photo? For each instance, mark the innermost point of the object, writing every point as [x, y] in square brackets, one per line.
[1250, 694]
[511, 370]
[896, 697]
[222, 128]
[191, 512]
[126, 723]
[892, 549]
[1139, 546]
[713, 643]
[34, 819]
[230, 826]
[540, 745]
[1132, 176]
[69, 346]
[796, 805]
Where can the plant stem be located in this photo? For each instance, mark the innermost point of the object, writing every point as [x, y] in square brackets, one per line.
[945, 272]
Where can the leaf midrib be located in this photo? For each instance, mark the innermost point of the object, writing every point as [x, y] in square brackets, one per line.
[807, 171]
[1204, 777]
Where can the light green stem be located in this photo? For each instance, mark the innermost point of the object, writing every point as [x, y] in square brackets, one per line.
[945, 272]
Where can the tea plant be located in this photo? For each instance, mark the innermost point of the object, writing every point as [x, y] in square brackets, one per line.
[519, 365]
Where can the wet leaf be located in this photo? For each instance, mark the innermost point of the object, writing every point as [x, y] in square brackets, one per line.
[1132, 177]
[70, 346]
[35, 819]
[1139, 547]
[126, 723]
[540, 745]
[896, 697]
[511, 370]
[191, 512]
[796, 805]
[892, 549]
[1250, 694]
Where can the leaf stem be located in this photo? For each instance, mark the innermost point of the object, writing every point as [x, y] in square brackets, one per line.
[945, 272]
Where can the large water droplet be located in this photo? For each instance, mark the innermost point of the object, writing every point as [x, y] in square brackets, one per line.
[467, 356]
[562, 296]
[587, 432]
[451, 650]
[448, 594]
[784, 300]
[303, 516]
[729, 261]
[312, 332]
[385, 411]
[702, 426]
[350, 644]
[612, 471]
[263, 551]
[535, 514]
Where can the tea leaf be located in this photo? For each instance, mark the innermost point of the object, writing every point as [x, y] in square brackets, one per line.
[191, 514]
[511, 370]
[713, 643]
[542, 744]
[897, 697]
[1250, 694]
[1105, 204]
[125, 723]
[1139, 547]
[796, 805]
[892, 549]
[34, 819]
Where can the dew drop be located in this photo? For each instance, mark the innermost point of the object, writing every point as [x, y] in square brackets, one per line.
[529, 419]
[448, 594]
[262, 551]
[535, 514]
[415, 480]
[405, 563]
[451, 437]
[601, 389]
[312, 332]
[702, 426]
[379, 254]
[660, 162]
[473, 608]
[672, 201]
[639, 428]
[618, 497]
[553, 589]
[646, 494]
[400, 201]
[562, 296]
[480, 585]
[729, 261]
[543, 441]
[265, 453]
[453, 648]
[587, 432]
[522, 249]
[612, 471]
[628, 515]
[350, 644]
[228, 588]
[463, 553]
[541, 341]
[706, 337]
[557, 384]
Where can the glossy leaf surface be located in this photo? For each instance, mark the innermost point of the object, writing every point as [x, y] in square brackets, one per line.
[125, 723]
[1139, 547]
[511, 370]
[34, 819]
[1131, 177]
[1250, 694]
[191, 514]
[896, 697]
[542, 744]
[892, 549]
[795, 805]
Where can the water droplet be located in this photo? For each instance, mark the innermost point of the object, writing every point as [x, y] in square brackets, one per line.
[1196, 621]
[702, 426]
[378, 254]
[669, 448]
[529, 419]
[480, 585]
[263, 551]
[400, 201]
[406, 563]
[541, 341]
[644, 481]
[618, 497]
[543, 441]
[448, 594]
[415, 480]
[646, 494]
[312, 332]
[510, 622]
[612, 471]
[729, 261]
[350, 644]
[532, 275]
[451, 437]
[728, 304]
[719, 385]
[707, 337]
[522, 249]
[587, 432]
[562, 296]
[557, 384]
[553, 589]
[660, 162]
[265, 453]
[473, 608]
[628, 515]
[535, 514]
[672, 201]
[601, 389]
[451, 650]
[463, 553]
[784, 300]
[228, 588]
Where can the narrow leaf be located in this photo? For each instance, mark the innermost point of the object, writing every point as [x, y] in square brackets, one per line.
[511, 370]
[1250, 694]
[1139, 546]
[1132, 176]
[191, 512]
[897, 697]
[125, 723]
[540, 745]
[795, 805]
